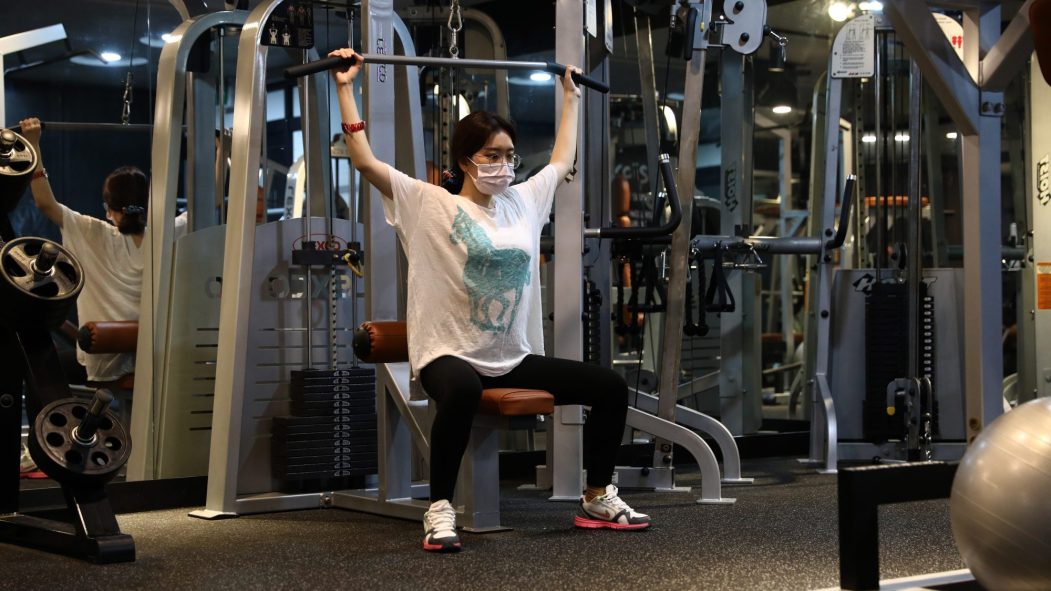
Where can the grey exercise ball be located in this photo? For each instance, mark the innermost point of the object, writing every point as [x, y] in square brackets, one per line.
[1000, 505]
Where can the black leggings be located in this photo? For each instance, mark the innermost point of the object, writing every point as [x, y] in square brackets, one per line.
[456, 388]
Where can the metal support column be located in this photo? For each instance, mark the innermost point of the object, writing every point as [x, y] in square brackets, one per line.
[739, 376]
[565, 432]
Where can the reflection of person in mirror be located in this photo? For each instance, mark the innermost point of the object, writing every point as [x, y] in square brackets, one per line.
[110, 253]
[474, 317]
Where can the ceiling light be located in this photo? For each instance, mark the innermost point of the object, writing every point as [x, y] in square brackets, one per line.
[782, 109]
[540, 76]
[901, 137]
[110, 56]
[871, 6]
[160, 41]
[96, 60]
[868, 138]
[951, 135]
[840, 11]
[670, 123]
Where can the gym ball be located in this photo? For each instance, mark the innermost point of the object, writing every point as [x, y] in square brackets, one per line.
[1000, 505]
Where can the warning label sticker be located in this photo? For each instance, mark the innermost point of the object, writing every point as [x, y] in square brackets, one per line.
[1043, 286]
[854, 50]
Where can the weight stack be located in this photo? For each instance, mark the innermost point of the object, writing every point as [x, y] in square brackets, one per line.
[887, 356]
[329, 441]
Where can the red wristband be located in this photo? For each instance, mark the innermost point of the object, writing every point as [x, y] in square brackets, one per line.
[39, 173]
[352, 127]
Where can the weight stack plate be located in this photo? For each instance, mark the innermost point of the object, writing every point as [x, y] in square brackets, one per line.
[330, 436]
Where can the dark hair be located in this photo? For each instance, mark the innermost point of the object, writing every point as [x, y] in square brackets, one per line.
[471, 135]
[127, 190]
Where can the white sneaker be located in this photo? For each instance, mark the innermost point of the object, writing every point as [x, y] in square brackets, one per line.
[439, 523]
[25, 462]
[609, 511]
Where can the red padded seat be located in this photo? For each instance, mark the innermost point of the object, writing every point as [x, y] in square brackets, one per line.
[387, 342]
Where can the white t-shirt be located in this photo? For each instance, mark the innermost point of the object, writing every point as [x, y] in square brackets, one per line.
[474, 285]
[112, 286]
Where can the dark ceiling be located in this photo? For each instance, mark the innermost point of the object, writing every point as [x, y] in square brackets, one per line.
[95, 26]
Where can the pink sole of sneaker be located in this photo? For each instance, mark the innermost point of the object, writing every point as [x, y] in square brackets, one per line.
[441, 548]
[596, 524]
[34, 475]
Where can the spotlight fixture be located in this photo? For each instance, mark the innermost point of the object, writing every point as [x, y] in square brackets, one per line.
[779, 94]
[777, 61]
[840, 11]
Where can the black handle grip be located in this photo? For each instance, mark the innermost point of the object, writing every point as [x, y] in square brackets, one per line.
[560, 70]
[325, 63]
[328, 63]
[654, 231]
[844, 214]
[85, 432]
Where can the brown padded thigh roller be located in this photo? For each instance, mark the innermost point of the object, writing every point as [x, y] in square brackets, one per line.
[110, 336]
[382, 342]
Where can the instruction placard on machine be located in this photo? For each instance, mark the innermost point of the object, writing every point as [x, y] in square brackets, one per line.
[854, 50]
[290, 25]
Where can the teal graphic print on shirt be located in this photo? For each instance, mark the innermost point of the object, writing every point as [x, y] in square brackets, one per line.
[494, 277]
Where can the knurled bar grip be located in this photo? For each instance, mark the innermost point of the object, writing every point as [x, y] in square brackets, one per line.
[328, 63]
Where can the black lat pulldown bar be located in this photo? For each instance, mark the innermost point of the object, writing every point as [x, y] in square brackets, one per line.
[328, 63]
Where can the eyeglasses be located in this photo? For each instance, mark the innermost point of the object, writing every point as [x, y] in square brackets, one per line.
[514, 160]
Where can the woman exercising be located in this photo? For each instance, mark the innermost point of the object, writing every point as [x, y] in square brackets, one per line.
[474, 298]
[110, 254]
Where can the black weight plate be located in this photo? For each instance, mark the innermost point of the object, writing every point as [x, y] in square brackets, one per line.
[328, 392]
[357, 389]
[294, 421]
[332, 373]
[290, 453]
[329, 434]
[330, 460]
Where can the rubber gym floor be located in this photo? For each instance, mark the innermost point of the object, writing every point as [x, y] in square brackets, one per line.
[780, 534]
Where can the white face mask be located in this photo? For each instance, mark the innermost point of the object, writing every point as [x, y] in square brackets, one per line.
[493, 179]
